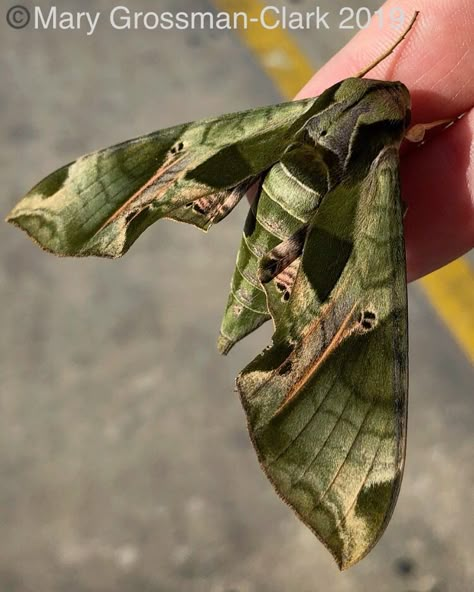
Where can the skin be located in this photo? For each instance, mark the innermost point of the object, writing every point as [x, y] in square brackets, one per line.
[436, 63]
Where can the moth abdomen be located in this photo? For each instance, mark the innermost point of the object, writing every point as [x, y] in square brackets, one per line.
[274, 231]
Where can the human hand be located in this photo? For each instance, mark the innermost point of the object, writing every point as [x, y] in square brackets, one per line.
[436, 63]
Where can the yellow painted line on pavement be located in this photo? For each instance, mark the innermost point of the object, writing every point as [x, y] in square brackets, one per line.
[450, 290]
[277, 53]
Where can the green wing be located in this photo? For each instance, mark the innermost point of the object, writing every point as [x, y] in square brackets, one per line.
[326, 403]
[195, 173]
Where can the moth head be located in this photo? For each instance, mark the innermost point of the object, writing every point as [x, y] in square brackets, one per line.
[364, 116]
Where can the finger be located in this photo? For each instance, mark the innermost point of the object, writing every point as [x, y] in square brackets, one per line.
[435, 61]
[438, 186]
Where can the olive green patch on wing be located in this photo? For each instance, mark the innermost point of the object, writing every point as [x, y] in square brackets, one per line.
[326, 403]
[64, 216]
[102, 202]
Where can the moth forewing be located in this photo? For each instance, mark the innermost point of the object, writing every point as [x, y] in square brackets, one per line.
[326, 409]
[195, 173]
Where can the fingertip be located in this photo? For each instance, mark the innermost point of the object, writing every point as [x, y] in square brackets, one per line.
[438, 186]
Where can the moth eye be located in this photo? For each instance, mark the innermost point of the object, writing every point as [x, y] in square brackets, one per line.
[322, 133]
[286, 368]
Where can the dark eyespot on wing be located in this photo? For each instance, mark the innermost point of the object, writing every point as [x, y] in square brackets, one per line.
[177, 148]
[197, 208]
[367, 319]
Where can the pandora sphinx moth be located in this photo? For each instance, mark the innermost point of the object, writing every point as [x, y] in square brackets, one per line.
[322, 255]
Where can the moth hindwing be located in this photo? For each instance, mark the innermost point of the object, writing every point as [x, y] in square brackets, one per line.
[322, 255]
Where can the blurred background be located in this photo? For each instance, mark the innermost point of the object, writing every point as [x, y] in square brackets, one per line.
[125, 463]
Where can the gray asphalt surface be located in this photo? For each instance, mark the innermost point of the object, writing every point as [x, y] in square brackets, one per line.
[124, 459]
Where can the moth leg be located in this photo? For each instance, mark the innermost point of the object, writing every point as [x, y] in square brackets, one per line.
[404, 208]
[417, 132]
[283, 255]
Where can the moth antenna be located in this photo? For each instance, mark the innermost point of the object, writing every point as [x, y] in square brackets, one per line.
[363, 72]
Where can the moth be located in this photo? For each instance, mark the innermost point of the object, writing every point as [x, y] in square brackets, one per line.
[322, 255]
